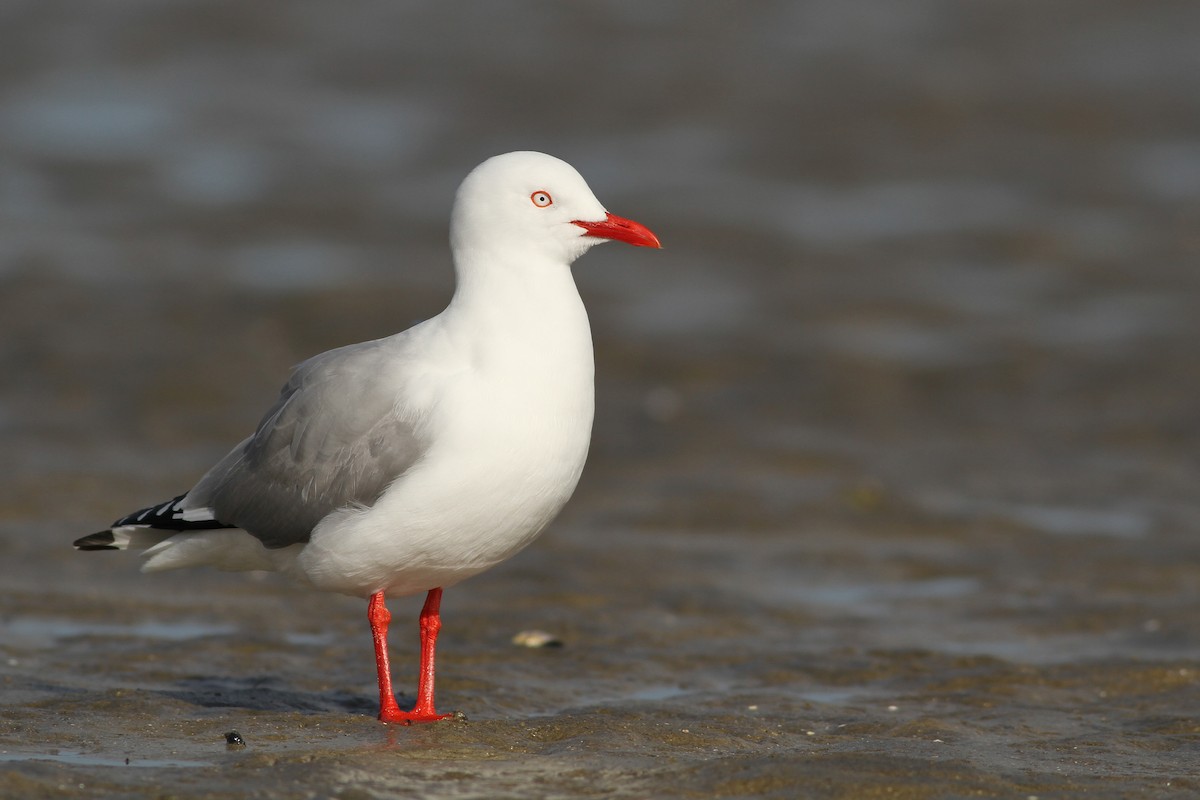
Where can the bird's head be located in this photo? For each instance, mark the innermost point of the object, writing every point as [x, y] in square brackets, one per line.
[535, 205]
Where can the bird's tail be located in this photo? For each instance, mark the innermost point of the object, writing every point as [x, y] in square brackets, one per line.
[170, 536]
[123, 537]
[149, 526]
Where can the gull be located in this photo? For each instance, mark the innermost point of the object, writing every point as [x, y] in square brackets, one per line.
[410, 463]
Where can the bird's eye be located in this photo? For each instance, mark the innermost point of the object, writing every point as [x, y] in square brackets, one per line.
[541, 199]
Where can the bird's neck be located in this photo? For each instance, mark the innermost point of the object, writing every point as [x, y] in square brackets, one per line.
[523, 309]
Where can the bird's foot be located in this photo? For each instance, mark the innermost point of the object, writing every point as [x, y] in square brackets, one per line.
[394, 716]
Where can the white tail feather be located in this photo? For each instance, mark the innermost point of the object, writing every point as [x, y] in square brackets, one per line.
[225, 548]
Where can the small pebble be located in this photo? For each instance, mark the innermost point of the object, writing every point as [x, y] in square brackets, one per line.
[234, 739]
[535, 638]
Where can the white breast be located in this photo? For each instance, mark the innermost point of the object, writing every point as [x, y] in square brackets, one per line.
[510, 429]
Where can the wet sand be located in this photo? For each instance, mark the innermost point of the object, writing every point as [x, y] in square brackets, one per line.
[892, 491]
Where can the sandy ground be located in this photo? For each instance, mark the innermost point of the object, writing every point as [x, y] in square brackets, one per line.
[892, 491]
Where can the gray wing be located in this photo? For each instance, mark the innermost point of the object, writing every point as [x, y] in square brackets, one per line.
[336, 437]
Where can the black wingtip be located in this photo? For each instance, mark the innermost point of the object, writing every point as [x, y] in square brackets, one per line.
[101, 540]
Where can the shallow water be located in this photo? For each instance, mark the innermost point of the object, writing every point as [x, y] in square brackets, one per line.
[892, 490]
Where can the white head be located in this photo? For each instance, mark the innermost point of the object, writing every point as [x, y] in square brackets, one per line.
[533, 205]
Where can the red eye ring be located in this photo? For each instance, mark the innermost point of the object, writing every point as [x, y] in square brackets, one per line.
[541, 198]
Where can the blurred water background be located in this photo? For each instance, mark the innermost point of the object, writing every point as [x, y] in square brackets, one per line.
[893, 483]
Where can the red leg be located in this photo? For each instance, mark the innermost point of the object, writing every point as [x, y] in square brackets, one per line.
[379, 617]
[431, 623]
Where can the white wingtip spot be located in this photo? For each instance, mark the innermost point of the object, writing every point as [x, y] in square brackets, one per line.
[198, 515]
